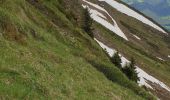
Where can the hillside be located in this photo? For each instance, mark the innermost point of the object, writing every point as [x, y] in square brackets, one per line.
[158, 10]
[146, 44]
[45, 53]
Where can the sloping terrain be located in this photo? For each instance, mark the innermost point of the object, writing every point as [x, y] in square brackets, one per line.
[46, 55]
[147, 45]
[158, 10]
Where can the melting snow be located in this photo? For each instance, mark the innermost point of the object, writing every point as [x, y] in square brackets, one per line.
[144, 77]
[168, 56]
[96, 6]
[160, 59]
[137, 37]
[126, 10]
[111, 52]
[98, 17]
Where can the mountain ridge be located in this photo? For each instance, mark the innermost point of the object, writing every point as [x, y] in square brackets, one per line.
[160, 12]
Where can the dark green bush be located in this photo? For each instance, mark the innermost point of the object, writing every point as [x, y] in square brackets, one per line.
[130, 72]
[87, 23]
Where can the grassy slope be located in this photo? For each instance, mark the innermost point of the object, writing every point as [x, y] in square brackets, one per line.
[43, 55]
[153, 44]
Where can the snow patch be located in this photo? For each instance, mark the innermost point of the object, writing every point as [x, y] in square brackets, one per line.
[111, 52]
[98, 17]
[160, 59]
[137, 37]
[126, 10]
[144, 77]
[95, 5]
[168, 56]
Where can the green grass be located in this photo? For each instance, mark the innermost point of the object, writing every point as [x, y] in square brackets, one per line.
[47, 56]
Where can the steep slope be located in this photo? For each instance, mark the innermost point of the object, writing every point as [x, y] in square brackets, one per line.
[124, 9]
[158, 10]
[46, 55]
[146, 44]
[100, 18]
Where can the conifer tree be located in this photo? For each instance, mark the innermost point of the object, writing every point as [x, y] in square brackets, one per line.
[130, 71]
[116, 60]
[87, 23]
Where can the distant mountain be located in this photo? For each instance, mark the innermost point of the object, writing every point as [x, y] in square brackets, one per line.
[159, 10]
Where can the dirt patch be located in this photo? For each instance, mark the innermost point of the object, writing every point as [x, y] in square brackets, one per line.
[160, 92]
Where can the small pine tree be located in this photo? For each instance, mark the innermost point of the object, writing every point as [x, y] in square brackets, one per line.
[130, 71]
[116, 60]
[87, 23]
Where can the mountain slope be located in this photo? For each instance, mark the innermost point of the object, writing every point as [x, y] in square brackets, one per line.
[122, 8]
[46, 55]
[159, 9]
[147, 45]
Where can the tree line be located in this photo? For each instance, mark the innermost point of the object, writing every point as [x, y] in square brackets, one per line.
[128, 69]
